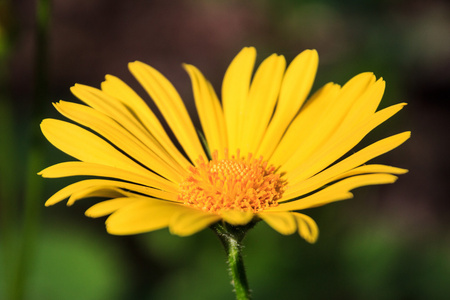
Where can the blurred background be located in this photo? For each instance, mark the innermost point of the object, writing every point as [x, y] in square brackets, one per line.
[389, 242]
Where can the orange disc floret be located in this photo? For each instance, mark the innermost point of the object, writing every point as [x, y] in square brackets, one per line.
[236, 183]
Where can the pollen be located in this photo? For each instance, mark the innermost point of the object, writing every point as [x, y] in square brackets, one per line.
[233, 183]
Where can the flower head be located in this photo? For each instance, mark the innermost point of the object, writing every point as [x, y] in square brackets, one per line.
[265, 151]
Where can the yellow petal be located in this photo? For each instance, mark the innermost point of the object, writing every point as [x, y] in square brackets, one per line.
[191, 221]
[298, 81]
[302, 126]
[159, 161]
[116, 110]
[283, 222]
[360, 157]
[68, 138]
[262, 97]
[220, 114]
[102, 102]
[209, 111]
[337, 147]
[307, 227]
[364, 106]
[107, 207]
[112, 107]
[78, 168]
[94, 191]
[171, 106]
[142, 216]
[323, 130]
[332, 174]
[115, 87]
[366, 169]
[236, 217]
[295, 87]
[102, 184]
[335, 192]
[235, 89]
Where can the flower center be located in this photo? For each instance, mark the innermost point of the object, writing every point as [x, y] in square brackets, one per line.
[236, 183]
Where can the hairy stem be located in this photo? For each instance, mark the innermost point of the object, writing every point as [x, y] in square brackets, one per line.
[231, 238]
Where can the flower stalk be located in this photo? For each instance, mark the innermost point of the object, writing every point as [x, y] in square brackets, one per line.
[33, 185]
[231, 238]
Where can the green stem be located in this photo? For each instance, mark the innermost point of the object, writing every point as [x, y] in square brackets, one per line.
[231, 238]
[33, 183]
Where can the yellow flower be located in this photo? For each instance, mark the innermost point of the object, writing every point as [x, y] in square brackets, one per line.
[265, 152]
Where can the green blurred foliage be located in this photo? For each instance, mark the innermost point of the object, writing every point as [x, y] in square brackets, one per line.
[370, 261]
[70, 264]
